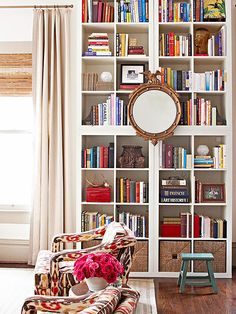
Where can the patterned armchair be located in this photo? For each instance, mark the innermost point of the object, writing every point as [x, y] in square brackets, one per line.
[110, 300]
[54, 269]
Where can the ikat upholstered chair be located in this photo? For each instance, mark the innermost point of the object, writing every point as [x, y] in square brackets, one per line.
[107, 301]
[54, 269]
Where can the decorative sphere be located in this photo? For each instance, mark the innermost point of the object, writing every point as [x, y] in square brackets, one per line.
[202, 150]
[106, 76]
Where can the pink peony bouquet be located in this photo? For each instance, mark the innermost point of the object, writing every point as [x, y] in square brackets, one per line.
[99, 264]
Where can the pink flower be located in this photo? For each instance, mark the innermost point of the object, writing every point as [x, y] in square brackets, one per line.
[111, 277]
[107, 268]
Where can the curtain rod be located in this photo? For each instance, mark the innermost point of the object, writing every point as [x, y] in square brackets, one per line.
[36, 6]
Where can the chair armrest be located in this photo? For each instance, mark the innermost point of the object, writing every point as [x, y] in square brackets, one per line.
[129, 301]
[76, 237]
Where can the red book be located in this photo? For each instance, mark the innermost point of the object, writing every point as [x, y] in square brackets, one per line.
[128, 86]
[168, 155]
[137, 199]
[128, 190]
[95, 10]
[171, 230]
[198, 9]
[103, 11]
[85, 159]
[171, 44]
[105, 157]
[170, 11]
[83, 11]
[196, 226]
[101, 148]
[100, 4]
[136, 51]
[160, 10]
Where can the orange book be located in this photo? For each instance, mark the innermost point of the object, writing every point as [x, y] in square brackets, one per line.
[169, 76]
[177, 45]
[138, 192]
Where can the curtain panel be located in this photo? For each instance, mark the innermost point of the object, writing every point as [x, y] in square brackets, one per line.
[51, 89]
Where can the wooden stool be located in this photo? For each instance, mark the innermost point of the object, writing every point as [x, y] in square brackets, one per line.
[188, 280]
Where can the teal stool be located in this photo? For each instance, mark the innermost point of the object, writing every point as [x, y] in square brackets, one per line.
[189, 280]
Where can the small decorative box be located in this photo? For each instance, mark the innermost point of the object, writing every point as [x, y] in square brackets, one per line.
[98, 194]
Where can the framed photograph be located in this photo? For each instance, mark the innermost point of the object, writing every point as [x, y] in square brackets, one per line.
[213, 193]
[131, 74]
[214, 10]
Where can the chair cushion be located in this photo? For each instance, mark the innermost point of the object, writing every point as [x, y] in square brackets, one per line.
[114, 231]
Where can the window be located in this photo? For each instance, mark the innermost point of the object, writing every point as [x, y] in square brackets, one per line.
[16, 153]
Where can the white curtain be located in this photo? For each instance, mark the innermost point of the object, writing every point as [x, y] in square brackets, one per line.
[51, 192]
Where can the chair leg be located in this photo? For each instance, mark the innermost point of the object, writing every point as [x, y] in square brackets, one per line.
[211, 276]
[180, 274]
[183, 279]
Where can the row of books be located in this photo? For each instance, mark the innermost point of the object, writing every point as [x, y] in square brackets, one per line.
[93, 220]
[132, 11]
[205, 10]
[203, 227]
[111, 112]
[174, 194]
[200, 113]
[170, 11]
[136, 223]
[216, 161]
[209, 81]
[217, 43]
[97, 11]
[98, 157]
[130, 191]
[89, 81]
[174, 157]
[124, 46]
[177, 79]
[172, 44]
[98, 45]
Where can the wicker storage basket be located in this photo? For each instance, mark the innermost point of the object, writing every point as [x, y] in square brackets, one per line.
[218, 249]
[170, 260]
[140, 259]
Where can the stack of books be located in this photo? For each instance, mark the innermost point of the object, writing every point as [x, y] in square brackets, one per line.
[209, 81]
[172, 45]
[174, 157]
[217, 161]
[127, 47]
[174, 191]
[98, 157]
[111, 112]
[217, 44]
[130, 191]
[177, 79]
[97, 11]
[177, 226]
[89, 81]
[136, 223]
[132, 11]
[98, 45]
[174, 12]
[93, 220]
[206, 227]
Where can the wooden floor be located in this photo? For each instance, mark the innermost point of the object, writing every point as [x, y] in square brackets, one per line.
[195, 300]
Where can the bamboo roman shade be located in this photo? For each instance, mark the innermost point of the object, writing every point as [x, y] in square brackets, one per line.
[16, 74]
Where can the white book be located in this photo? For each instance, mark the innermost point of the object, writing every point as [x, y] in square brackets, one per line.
[126, 44]
[213, 45]
[216, 156]
[213, 116]
[105, 114]
[202, 81]
[160, 154]
[189, 161]
[203, 112]
[209, 47]
[141, 191]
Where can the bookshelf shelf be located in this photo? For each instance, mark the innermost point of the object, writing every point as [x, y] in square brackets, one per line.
[186, 136]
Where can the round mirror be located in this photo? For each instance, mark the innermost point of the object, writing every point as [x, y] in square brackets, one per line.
[154, 110]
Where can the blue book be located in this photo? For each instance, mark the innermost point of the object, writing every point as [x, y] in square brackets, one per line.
[98, 157]
[144, 10]
[140, 11]
[215, 229]
[180, 193]
[185, 18]
[185, 159]
[91, 158]
[194, 11]
[216, 80]
[181, 11]
[201, 10]
[117, 110]
[175, 79]
[207, 80]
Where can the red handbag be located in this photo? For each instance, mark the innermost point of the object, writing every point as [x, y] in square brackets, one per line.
[98, 194]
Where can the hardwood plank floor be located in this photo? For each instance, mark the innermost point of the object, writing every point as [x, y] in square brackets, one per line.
[195, 300]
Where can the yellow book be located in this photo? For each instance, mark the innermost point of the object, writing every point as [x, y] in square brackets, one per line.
[169, 76]
[122, 40]
[221, 157]
[121, 190]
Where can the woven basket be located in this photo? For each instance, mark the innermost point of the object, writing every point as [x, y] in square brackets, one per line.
[218, 249]
[170, 260]
[140, 259]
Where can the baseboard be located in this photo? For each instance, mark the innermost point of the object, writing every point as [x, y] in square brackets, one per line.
[14, 251]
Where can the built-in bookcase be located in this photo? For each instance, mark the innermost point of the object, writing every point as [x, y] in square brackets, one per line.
[155, 251]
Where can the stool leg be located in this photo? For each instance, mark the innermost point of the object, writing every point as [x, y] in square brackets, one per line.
[211, 276]
[180, 274]
[183, 279]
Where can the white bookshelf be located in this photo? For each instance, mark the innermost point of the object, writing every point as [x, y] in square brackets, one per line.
[148, 34]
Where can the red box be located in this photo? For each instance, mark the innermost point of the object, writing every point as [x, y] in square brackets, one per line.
[171, 230]
[98, 195]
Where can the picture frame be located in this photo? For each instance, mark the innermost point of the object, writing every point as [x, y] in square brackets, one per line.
[213, 193]
[130, 74]
[214, 10]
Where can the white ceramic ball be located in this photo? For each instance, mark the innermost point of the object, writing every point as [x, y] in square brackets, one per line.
[106, 76]
[202, 150]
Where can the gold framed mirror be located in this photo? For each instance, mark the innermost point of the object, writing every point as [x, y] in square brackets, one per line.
[154, 109]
